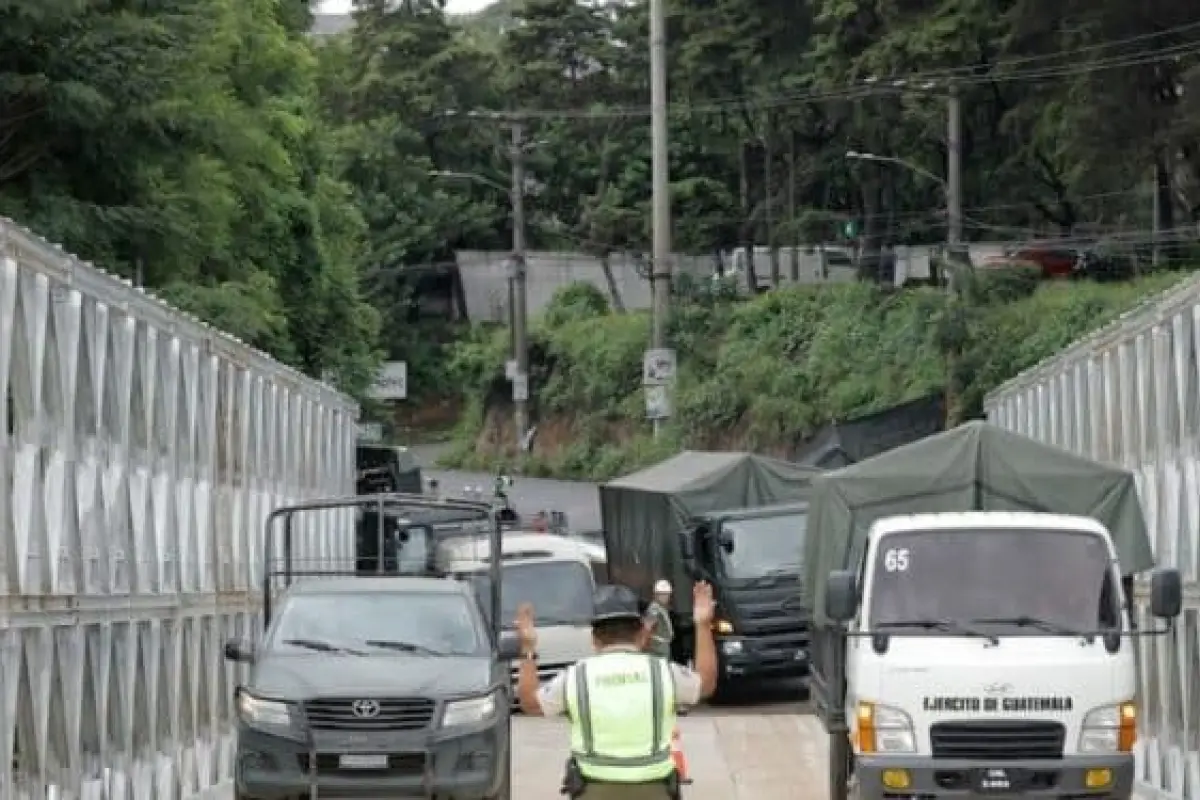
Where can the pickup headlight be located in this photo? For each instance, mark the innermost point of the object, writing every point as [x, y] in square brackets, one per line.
[469, 710]
[883, 729]
[723, 627]
[1109, 729]
[261, 713]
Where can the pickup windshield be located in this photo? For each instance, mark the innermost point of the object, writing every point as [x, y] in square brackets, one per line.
[765, 545]
[560, 592]
[1002, 581]
[341, 622]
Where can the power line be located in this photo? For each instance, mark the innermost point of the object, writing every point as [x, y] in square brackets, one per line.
[961, 76]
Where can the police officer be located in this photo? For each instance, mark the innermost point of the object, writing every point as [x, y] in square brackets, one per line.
[621, 702]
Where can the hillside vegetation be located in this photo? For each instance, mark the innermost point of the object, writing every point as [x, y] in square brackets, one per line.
[762, 375]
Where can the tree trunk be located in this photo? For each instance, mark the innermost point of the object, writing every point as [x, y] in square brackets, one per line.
[794, 238]
[769, 207]
[747, 232]
[614, 294]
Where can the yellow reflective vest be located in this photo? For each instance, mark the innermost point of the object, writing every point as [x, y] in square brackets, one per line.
[621, 705]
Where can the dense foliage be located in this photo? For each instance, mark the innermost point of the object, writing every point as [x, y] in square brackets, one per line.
[1072, 113]
[300, 192]
[765, 374]
[181, 143]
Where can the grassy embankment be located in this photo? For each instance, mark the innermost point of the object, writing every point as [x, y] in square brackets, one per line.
[762, 375]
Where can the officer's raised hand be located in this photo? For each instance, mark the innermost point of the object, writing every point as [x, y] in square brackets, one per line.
[703, 607]
[526, 630]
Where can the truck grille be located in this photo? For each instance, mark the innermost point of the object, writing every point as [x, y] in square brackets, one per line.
[381, 714]
[998, 740]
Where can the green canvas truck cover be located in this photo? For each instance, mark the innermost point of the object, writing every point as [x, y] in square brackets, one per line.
[975, 467]
[643, 513]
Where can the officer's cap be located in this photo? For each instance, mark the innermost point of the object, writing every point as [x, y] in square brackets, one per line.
[615, 602]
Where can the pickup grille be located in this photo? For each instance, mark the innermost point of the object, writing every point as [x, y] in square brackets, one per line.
[998, 740]
[390, 714]
[401, 764]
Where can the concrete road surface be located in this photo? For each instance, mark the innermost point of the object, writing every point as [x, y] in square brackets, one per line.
[734, 755]
[577, 499]
[751, 753]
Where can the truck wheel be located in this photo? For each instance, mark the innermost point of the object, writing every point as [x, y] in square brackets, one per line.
[839, 766]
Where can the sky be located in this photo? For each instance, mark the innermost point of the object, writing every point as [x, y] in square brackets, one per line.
[452, 6]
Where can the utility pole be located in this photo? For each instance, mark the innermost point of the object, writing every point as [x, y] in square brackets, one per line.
[519, 308]
[660, 261]
[954, 195]
[660, 186]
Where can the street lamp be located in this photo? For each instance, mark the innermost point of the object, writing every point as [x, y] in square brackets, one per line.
[855, 155]
[517, 279]
[468, 176]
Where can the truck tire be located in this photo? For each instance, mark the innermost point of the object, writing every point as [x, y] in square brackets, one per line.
[839, 766]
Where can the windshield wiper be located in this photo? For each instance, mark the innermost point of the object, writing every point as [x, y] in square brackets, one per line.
[944, 625]
[321, 646]
[1026, 621]
[405, 647]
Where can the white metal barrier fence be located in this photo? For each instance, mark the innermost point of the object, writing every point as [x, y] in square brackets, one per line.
[1130, 394]
[140, 451]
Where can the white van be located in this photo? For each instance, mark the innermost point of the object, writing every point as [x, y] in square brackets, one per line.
[557, 575]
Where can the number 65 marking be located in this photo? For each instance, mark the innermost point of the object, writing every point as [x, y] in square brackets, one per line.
[896, 559]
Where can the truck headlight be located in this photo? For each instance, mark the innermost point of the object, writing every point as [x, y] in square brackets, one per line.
[723, 627]
[1109, 729]
[260, 712]
[883, 729]
[732, 647]
[469, 710]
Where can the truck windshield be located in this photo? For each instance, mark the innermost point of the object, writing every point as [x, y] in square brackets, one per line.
[763, 545]
[1034, 580]
[434, 624]
[559, 591]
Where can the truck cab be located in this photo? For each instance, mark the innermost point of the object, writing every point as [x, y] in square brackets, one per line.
[990, 653]
[754, 558]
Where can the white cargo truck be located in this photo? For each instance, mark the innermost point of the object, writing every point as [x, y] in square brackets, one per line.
[975, 633]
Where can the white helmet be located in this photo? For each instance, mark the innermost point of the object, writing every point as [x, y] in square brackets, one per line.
[662, 587]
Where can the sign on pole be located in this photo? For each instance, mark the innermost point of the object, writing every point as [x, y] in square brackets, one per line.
[520, 385]
[658, 402]
[510, 369]
[392, 382]
[658, 367]
[370, 432]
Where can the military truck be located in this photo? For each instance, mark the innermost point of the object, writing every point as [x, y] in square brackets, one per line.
[736, 520]
[972, 619]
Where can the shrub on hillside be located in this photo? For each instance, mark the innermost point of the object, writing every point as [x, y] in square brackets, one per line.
[763, 374]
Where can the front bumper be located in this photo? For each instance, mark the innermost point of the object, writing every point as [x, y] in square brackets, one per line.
[761, 659]
[466, 764]
[1066, 777]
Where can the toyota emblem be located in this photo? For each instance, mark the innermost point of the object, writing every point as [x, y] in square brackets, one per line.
[365, 709]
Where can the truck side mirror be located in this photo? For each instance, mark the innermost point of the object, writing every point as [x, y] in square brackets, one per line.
[841, 595]
[687, 549]
[1166, 593]
[509, 647]
[239, 650]
[725, 540]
